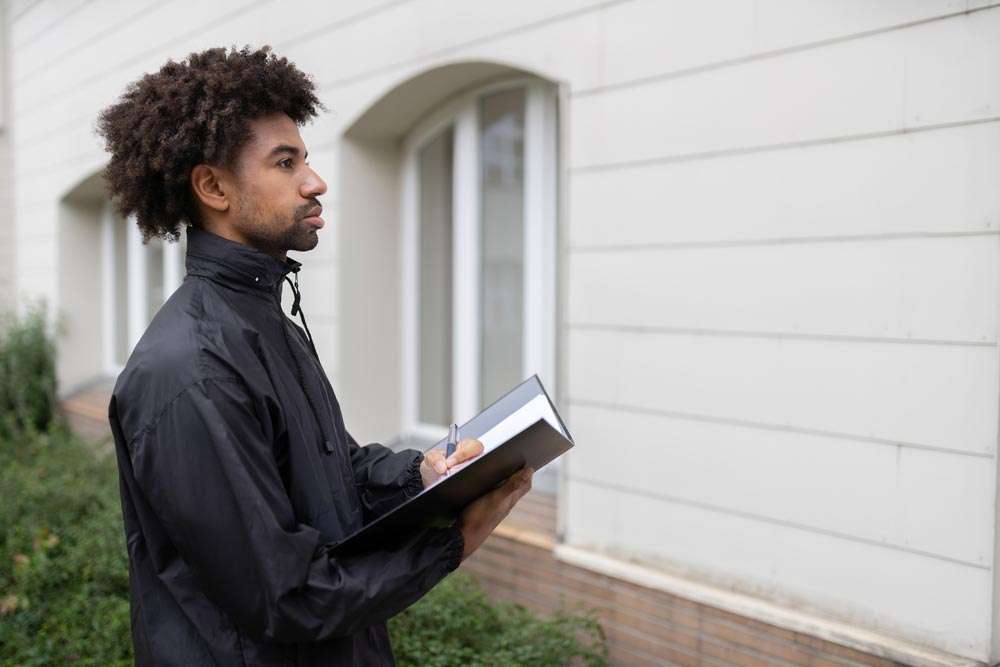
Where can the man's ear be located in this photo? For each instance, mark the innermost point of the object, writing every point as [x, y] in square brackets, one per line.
[210, 187]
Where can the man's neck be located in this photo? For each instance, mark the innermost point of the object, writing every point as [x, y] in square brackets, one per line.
[237, 237]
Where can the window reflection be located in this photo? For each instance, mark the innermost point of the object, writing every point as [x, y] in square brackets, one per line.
[435, 278]
[502, 237]
[154, 276]
[119, 328]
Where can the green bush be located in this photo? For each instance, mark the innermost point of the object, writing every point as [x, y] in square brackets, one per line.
[63, 569]
[27, 372]
[64, 579]
[456, 624]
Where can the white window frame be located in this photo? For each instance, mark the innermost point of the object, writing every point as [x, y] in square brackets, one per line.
[540, 169]
[137, 289]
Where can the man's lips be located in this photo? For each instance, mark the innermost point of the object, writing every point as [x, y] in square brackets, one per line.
[314, 219]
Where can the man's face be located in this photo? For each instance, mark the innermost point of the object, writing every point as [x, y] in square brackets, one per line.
[276, 206]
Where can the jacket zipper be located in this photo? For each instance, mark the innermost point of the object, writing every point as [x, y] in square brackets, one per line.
[346, 474]
[327, 447]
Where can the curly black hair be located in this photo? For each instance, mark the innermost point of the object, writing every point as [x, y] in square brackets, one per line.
[192, 112]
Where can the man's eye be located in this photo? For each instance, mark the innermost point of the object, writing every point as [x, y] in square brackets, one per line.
[288, 160]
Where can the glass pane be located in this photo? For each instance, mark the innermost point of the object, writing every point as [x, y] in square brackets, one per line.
[435, 278]
[154, 276]
[119, 326]
[502, 218]
[183, 253]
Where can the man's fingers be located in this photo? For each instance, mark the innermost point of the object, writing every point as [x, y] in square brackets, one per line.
[436, 459]
[525, 485]
[518, 482]
[522, 484]
[465, 450]
[507, 489]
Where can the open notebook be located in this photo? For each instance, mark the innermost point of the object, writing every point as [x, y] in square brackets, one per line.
[522, 428]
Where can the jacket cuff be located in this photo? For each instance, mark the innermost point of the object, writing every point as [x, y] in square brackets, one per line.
[455, 548]
[413, 483]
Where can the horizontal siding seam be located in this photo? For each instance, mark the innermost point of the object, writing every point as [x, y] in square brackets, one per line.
[515, 30]
[33, 105]
[777, 241]
[780, 146]
[52, 130]
[96, 37]
[66, 162]
[48, 26]
[630, 164]
[28, 6]
[765, 426]
[334, 26]
[82, 83]
[766, 55]
[763, 518]
[771, 335]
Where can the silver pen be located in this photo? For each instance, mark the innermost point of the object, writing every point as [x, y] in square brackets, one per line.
[452, 442]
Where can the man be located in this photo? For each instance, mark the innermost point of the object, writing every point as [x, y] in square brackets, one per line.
[237, 472]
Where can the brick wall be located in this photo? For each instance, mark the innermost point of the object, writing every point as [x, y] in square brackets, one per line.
[643, 626]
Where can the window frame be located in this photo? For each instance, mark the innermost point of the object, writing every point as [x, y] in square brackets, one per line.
[540, 249]
[137, 288]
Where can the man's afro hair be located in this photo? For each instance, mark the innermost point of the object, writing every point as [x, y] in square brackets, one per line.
[195, 111]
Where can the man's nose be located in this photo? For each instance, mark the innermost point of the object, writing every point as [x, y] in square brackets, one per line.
[313, 186]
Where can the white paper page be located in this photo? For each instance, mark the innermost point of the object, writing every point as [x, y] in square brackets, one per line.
[518, 420]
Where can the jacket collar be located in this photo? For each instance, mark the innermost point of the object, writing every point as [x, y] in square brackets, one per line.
[233, 263]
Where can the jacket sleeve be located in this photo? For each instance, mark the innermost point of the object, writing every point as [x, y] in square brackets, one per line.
[207, 469]
[385, 478]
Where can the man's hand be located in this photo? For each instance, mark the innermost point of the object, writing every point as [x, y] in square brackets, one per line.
[479, 519]
[435, 464]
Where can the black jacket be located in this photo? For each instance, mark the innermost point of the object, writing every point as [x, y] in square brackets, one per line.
[237, 475]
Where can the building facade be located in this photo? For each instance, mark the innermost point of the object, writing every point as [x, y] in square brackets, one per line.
[750, 247]
[7, 256]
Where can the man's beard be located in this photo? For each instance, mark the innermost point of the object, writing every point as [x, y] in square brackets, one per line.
[276, 234]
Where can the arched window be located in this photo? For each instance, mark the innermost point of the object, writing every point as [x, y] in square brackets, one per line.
[479, 247]
[138, 278]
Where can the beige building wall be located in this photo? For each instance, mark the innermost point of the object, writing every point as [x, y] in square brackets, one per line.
[7, 249]
[779, 260]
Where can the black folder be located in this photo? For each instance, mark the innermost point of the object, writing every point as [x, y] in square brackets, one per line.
[534, 445]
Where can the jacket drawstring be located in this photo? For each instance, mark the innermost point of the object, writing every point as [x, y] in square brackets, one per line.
[297, 310]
